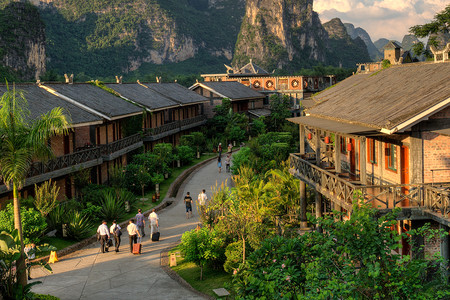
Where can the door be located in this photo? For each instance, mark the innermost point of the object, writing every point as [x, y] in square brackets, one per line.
[404, 172]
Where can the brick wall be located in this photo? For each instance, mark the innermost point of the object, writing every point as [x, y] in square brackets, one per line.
[57, 145]
[436, 157]
[445, 113]
[82, 136]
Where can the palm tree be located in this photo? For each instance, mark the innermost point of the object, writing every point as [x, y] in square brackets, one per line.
[22, 140]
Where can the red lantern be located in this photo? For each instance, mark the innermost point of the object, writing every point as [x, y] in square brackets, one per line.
[327, 140]
[349, 147]
[309, 136]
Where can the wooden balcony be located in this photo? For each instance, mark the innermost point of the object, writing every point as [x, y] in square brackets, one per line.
[120, 147]
[434, 198]
[62, 165]
[153, 134]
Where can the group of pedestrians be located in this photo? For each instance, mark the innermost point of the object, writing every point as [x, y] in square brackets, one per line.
[202, 199]
[135, 229]
[227, 158]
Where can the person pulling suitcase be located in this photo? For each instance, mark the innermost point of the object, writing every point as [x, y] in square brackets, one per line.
[154, 226]
[133, 233]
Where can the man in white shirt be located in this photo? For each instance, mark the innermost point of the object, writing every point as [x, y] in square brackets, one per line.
[133, 233]
[202, 199]
[154, 224]
[103, 231]
[114, 230]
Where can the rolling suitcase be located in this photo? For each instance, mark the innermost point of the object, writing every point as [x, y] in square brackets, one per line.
[155, 236]
[137, 247]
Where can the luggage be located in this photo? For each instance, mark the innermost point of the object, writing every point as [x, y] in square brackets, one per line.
[109, 243]
[155, 237]
[137, 247]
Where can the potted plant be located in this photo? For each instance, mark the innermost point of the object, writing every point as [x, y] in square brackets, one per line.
[157, 179]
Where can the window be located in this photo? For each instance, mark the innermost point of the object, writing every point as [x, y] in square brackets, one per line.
[343, 144]
[371, 151]
[391, 157]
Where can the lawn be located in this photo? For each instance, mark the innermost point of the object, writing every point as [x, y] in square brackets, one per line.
[212, 279]
[61, 243]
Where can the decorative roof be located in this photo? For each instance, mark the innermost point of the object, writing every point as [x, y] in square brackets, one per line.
[147, 97]
[248, 69]
[392, 45]
[97, 99]
[229, 89]
[40, 102]
[387, 99]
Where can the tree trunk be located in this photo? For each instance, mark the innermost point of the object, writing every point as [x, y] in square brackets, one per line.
[201, 272]
[243, 250]
[21, 268]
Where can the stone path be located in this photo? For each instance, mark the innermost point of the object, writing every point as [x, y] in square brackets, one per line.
[90, 274]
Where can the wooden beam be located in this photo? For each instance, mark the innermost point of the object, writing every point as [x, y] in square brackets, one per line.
[363, 160]
[337, 153]
[302, 139]
[317, 150]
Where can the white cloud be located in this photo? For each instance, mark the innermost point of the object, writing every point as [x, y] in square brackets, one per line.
[381, 18]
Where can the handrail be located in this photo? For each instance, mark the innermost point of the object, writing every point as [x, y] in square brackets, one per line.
[68, 160]
[174, 125]
[385, 196]
[120, 144]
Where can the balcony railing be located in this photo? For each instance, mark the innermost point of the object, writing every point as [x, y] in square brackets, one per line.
[343, 191]
[175, 126]
[61, 162]
[118, 145]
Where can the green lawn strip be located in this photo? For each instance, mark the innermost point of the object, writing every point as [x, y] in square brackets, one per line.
[61, 243]
[212, 279]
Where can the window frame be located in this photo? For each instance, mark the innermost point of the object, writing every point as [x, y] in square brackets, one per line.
[372, 151]
[391, 157]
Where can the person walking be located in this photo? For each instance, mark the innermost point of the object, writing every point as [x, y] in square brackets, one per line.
[230, 148]
[188, 203]
[140, 222]
[219, 164]
[202, 198]
[114, 230]
[228, 162]
[219, 149]
[154, 224]
[103, 231]
[133, 233]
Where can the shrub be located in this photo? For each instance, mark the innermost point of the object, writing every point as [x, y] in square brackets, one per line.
[46, 197]
[237, 134]
[78, 225]
[33, 223]
[195, 140]
[239, 159]
[186, 154]
[201, 247]
[92, 211]
[112, 206]
[164, 152]
[94, 193]
[45, 297]
[233, 252]
[55, 218]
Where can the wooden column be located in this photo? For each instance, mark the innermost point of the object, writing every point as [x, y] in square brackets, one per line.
[303, 219]
[363, 160]
[319, 213]
[302, 139]
[416, 159]
[317, 150]
[337, 153]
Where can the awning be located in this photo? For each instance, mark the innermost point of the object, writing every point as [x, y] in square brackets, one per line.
[260, 112]
[443, 131]
[333, 126]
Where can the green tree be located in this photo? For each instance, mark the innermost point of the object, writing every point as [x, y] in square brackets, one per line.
[280, 110]
[440, 24]
[202, 246]
[22, 140]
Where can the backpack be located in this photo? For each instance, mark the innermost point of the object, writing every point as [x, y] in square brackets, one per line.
[117, 231]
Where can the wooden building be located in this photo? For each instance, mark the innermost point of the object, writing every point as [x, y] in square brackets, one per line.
[173, 110]
[298, 88]
[243, 99]
[386, 136]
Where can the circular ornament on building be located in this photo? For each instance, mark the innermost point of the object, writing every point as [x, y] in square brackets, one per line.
[294, 83]
[305, 84]
[256, 84]
[269, 84]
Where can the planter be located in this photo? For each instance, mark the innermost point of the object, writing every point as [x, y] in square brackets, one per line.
[198, 154]
[166, 175]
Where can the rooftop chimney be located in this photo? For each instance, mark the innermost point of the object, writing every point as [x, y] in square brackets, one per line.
[69, 79]
[119, 79]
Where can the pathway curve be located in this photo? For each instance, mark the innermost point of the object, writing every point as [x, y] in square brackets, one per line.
[90, 274]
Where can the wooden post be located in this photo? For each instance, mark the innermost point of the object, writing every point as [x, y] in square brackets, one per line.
[302, 139]
[303, 219]
[319, 208]
[363, 161]
[317, 150]
[337, 153]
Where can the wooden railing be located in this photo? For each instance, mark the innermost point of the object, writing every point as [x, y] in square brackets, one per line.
[68, 160]
[120, 144]
[434, 197]
[174, 125]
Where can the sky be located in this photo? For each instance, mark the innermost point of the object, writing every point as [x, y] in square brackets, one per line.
[389, 19]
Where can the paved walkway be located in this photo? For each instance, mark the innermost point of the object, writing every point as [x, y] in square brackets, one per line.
[90, 274]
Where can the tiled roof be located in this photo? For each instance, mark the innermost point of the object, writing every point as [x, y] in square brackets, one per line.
[231, 89]
[177, 92]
